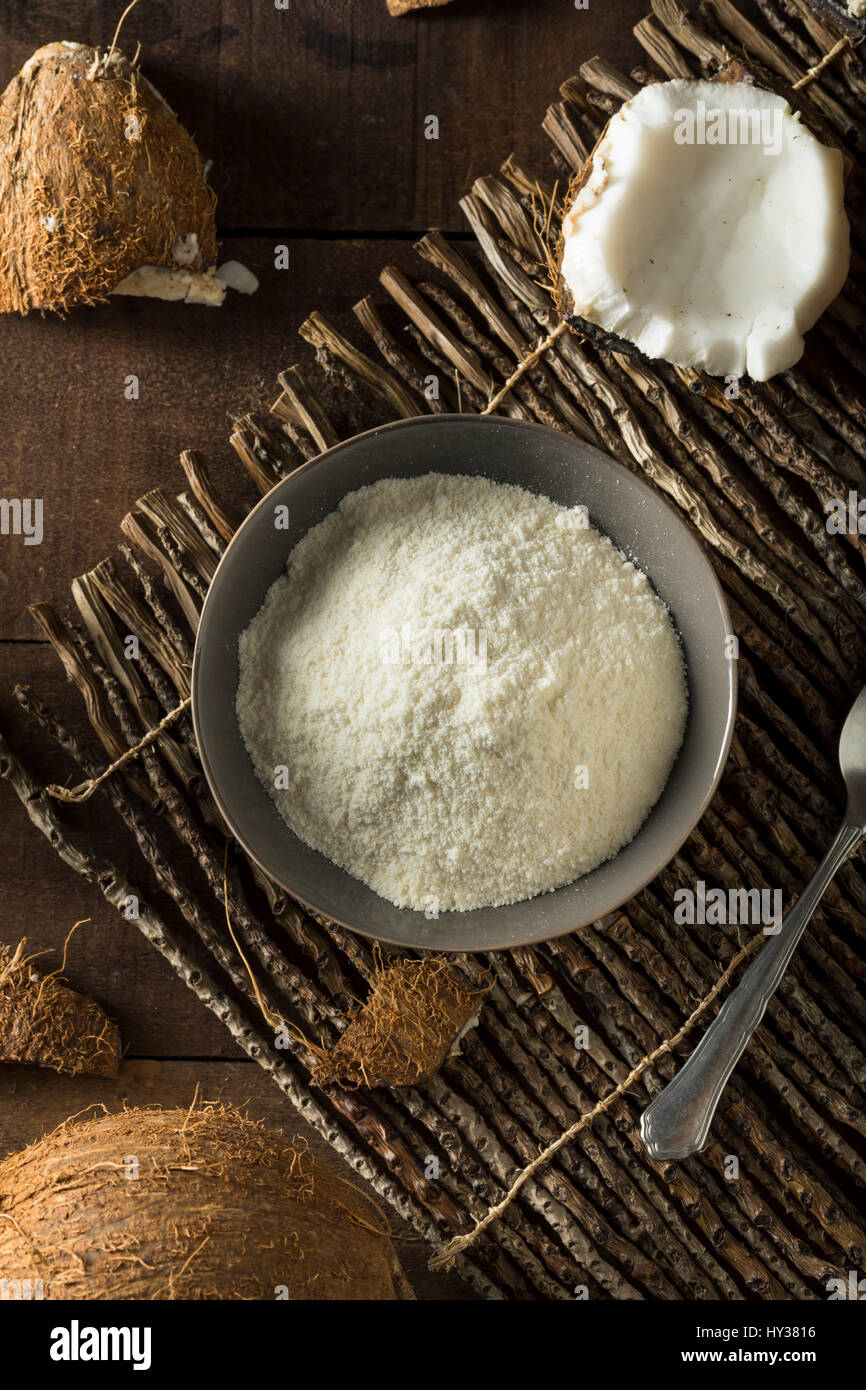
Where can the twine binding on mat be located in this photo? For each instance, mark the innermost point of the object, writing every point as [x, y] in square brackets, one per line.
[85, 790]
[523, 366]
[455, 1247]
[816, 71]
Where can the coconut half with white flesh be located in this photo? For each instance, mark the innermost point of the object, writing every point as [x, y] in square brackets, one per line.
[708, 228]
[102, 190]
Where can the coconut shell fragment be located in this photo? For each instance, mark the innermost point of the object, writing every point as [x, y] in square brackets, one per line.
[97, 178]
[175, 1204]
[407, 6]
[402, 1034]
[44, 1023]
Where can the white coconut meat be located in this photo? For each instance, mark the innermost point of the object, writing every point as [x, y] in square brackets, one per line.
[192, 286]
[711, 230]
[165, 282]
[238, 277]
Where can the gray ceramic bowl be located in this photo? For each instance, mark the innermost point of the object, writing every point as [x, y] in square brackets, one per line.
[544, 461]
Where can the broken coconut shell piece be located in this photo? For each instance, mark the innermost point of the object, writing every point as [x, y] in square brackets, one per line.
[188, 1204]
[407, 6]
[101, 189]
[416, 1014]
[707, 228]
[44, 1023]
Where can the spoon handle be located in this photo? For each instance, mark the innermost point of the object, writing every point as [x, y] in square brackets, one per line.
[677, 1122]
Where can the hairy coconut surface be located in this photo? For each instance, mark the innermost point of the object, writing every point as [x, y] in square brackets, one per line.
[175, 1204]
[46, 1024]
[404, 1031]
[97, 178]
[406, 6]
[707, 228]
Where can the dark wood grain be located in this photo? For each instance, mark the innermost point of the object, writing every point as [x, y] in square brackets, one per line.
[314, 116]
[72, 438]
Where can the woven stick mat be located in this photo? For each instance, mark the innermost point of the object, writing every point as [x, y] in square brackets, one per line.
[753, 474]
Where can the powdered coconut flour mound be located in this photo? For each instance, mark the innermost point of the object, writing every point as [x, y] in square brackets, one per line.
[461, 693]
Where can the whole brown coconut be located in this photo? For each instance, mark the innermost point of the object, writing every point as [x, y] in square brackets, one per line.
[97, 178]
[176, 1204]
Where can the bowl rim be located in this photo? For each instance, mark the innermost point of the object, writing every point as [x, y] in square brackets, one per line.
[383, 936]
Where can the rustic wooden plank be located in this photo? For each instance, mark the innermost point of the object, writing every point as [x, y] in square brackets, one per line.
[72, 437]
[33, 1102]
[314, 115]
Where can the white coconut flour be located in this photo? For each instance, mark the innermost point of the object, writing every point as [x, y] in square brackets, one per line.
[461, 693]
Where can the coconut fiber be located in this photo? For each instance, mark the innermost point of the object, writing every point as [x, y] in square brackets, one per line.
[175, 1204]
[97, 178]
[404, 1032]
[46, 1024]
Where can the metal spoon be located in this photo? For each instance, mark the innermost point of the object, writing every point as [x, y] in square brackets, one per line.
[677, 1122]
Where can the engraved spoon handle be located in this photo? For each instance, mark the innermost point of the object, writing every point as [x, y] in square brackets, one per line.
[677, 1122]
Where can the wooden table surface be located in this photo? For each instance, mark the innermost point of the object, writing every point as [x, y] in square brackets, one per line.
[314, 119]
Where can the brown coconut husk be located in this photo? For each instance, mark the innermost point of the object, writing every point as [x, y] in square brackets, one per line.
[44, 1023]
[403, 1033]
[562, 296]
[406, 6]
[175, 1204]
[82, 204]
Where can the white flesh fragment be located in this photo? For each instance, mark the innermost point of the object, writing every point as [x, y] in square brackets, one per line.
[713, 255]
[163, 282]
[185, 250]
[238, 277]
